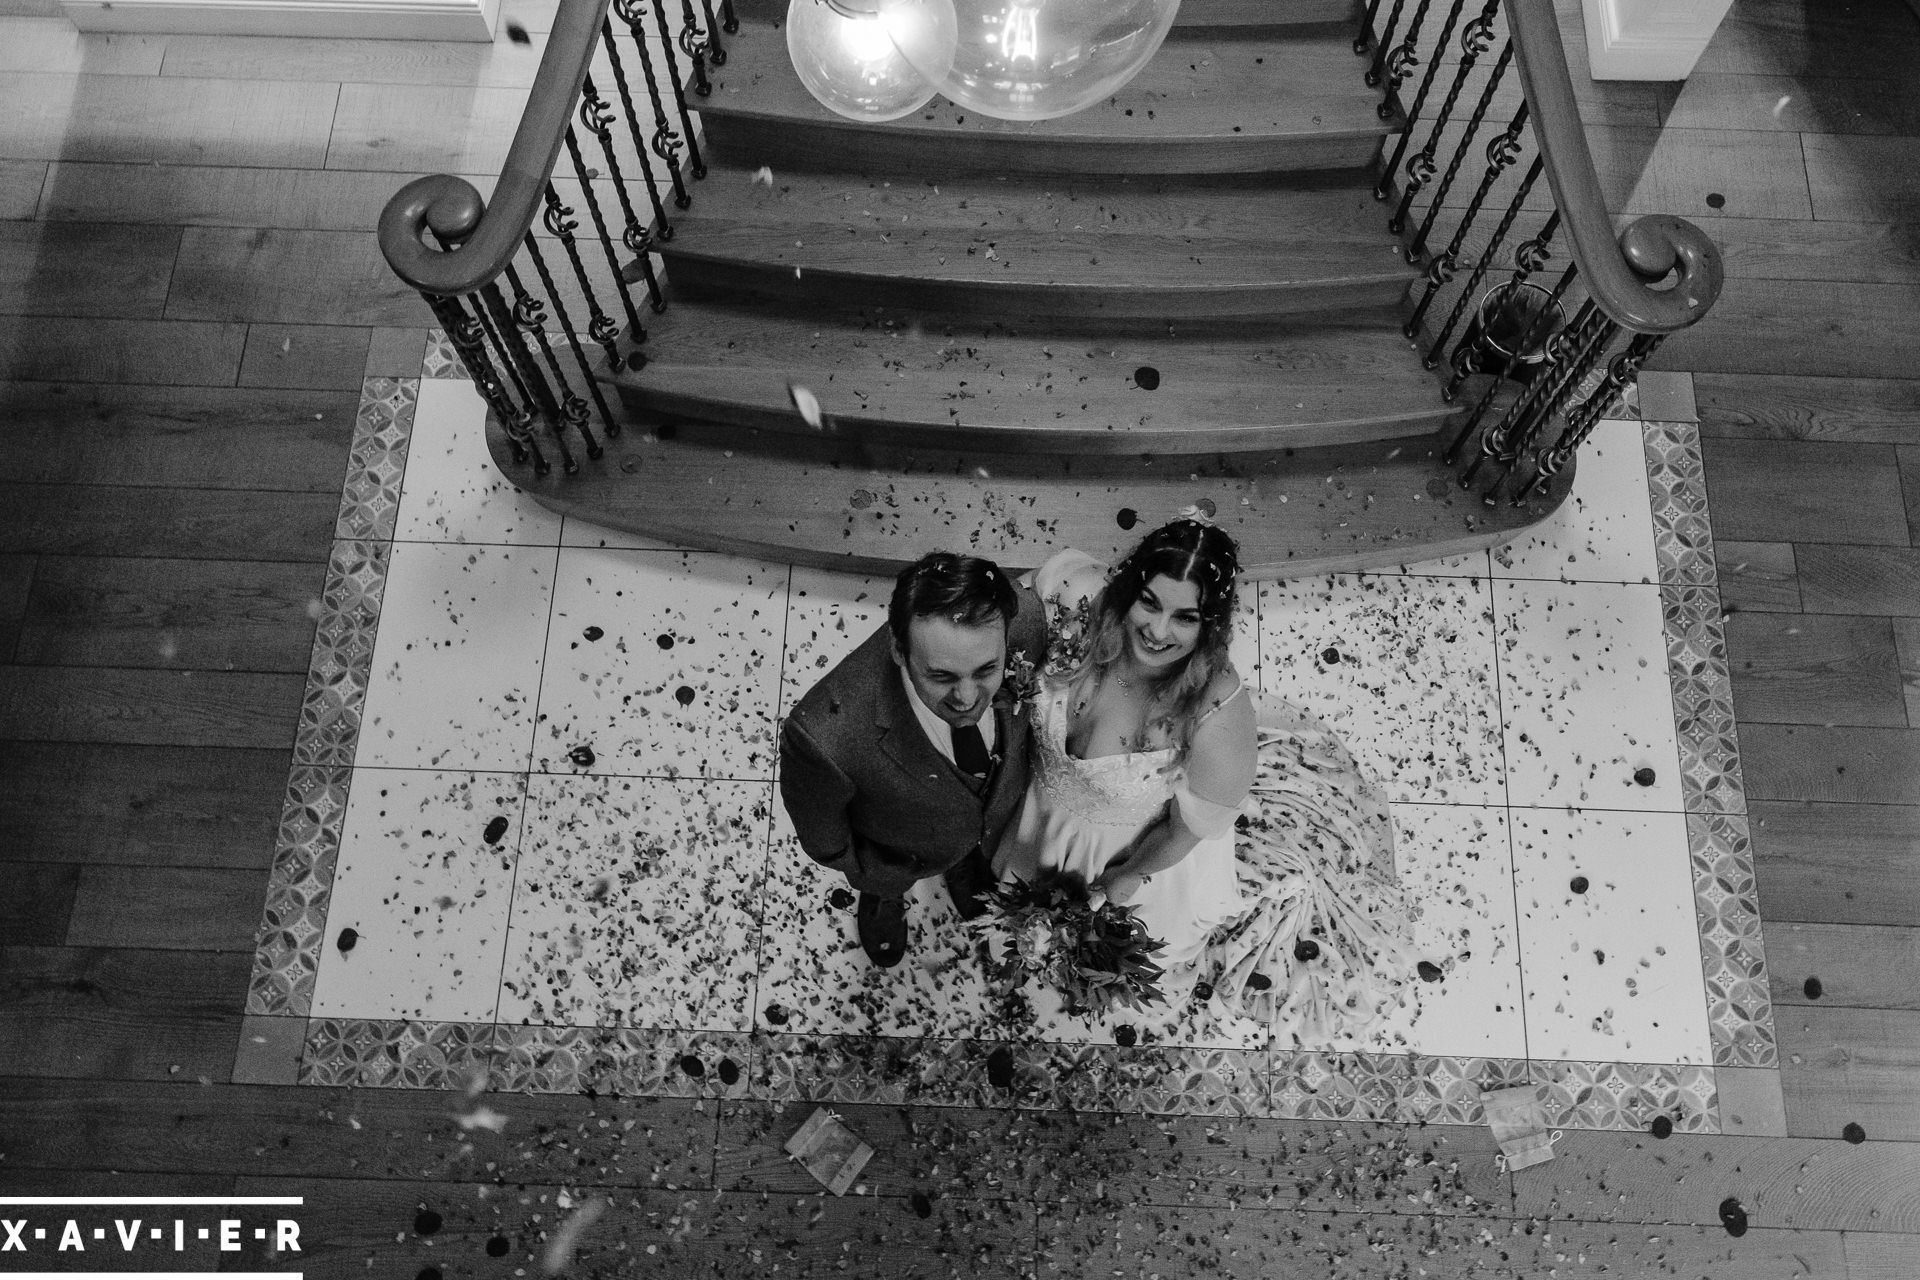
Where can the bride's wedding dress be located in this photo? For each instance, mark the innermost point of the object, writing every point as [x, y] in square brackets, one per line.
[1080, 813]
[1287, 907]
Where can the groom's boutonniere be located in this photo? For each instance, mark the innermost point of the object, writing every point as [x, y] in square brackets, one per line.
[1022, 682]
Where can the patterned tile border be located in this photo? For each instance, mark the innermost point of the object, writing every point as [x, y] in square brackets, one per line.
[1726, 904]
[1156, 1080]
[1419, 1089]
[625, 1060]
[293, 924]
[342, 662]
[377, 1054]
[442, 360]
[372, 1053]
[1690, 605]
[286, 954]
[370, 498]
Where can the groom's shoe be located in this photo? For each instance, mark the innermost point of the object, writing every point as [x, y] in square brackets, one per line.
[968, 881]
[882, 924]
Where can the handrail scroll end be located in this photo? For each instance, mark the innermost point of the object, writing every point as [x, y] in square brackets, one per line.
[1661, 244]
[449, 207]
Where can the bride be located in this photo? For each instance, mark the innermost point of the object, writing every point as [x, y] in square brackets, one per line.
[1149, 753]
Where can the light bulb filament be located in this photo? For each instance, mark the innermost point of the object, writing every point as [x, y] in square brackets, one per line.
[1020, 34]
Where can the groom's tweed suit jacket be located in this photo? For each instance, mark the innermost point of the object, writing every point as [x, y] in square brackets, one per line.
[870, 796]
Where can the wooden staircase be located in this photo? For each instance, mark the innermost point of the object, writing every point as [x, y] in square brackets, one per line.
[1027, 336]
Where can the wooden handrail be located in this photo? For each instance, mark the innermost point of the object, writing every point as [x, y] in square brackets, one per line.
[485, 237]
[1619, 273]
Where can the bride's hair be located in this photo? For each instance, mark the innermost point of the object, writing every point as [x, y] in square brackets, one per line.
[1185, 551]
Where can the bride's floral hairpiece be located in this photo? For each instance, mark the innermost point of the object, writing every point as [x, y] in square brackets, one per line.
[1197, 514]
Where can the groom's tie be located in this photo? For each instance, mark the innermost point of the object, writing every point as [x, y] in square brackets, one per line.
[970, 752]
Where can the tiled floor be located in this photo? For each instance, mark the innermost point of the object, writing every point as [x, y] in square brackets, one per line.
[561, 856]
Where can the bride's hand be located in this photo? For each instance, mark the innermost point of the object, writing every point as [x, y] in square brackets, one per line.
[1120, 889]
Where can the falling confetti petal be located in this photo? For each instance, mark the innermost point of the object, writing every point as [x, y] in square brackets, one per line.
[566, 1236]
[807, 403]
[482, 1117]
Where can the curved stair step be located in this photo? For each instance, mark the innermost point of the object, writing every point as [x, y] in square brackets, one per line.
[1144, 249]
[1209, 102]
[1267, 13]
[1193, 13]
[1295, 514]
[905, 377]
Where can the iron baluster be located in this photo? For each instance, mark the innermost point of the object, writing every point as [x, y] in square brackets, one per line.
[1419, 103]
[1493, 445]
[1472, 131]
[1386, 44]
[1363, 43]
[728, 22]
[693, 43]
[557, 215]
[1479, 273]
[1501, 153]
[1536, 332]
[601, 327]
[469, 340]
[698, 166]
[1527, 259]
[1402, 61]
[1475, 40]
[663, 142]
[1622, 373]
[1576, 369]
[1589, 339]
[715, 53]
[605, 133]
[639, 241]
[529, 318]
[529, 406]
[513, 338]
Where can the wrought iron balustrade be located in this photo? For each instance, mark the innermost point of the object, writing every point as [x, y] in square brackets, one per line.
[538, 306]
[523, 325]
[1552, 360]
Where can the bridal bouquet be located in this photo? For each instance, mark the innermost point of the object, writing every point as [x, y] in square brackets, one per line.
[1095, 957]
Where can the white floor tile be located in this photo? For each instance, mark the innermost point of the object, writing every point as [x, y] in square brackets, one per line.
[1612, 960]
[1471, 565]
[1584, 691]
[1402, 667]
[829, 615]
[583, 533]
[661, 664]
[1456, 869]
[814, 979]
[456, 663]
[1603, 532]
[453, 492]
[637, 904]
[424, 880]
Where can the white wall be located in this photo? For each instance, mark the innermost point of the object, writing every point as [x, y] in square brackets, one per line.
[376, 19]
[1650, 39]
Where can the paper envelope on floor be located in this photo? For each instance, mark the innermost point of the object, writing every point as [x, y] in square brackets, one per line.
[832, 1153]
[1519, 1124]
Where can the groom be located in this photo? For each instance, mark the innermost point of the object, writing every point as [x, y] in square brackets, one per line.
[905, 761]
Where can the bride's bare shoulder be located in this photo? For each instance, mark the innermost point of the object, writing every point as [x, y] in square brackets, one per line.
[1070, 577]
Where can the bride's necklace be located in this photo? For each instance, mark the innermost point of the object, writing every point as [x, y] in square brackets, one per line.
[1137, 682]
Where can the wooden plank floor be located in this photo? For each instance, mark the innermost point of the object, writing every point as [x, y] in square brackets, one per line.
[188, 300]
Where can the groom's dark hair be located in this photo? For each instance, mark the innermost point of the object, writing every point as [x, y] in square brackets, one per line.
[962, 589]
